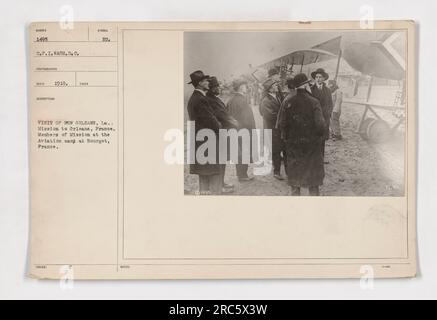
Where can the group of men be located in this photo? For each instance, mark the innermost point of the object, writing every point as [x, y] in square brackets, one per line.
[299, 122]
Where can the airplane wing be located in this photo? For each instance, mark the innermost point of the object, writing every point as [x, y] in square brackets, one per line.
[380, 59]
[300, 57]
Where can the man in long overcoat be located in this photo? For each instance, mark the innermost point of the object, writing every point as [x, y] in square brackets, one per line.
[203, 115]
[323, 94]
[226, 121]
[239, 108]
[269, 108]
[303, 128]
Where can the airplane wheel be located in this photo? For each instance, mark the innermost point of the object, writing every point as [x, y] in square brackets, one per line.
[378, 131]
[364, 125]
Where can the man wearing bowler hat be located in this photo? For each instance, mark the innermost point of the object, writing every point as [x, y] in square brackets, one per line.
[203, 115]
[226, 121]
[323, 94]
[303, 125]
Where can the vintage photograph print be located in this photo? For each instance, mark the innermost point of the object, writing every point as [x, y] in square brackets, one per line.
[295, 113]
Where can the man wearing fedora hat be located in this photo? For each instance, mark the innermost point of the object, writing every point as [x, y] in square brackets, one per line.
[323, 94]
[269, 109]
[203, 115]
[226, 121]
[302, 125]
[240, 110]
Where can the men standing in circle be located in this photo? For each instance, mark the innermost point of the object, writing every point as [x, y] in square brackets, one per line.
[239, 108]
[269, 109]
[303, 127]
[199, 111]
[226, 121]
[323, 94]
[337, 99]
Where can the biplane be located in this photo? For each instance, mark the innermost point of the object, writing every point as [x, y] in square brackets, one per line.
[382, 58]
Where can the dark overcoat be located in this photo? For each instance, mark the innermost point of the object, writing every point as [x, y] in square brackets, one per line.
[225, 119]
[221, 112]
[324, 96]
[239, 109]
[303, 126]
[284, 102]
[204, 117]
[269, 109]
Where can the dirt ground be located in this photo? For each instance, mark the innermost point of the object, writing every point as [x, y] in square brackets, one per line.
[356, 167]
